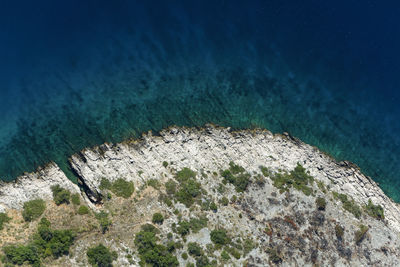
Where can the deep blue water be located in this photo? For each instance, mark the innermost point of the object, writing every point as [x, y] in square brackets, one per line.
[78, 73]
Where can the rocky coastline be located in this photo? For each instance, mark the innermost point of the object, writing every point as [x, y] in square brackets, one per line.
[210, 149]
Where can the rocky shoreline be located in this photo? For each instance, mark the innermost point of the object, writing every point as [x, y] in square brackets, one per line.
[283, 201]
[198, 148]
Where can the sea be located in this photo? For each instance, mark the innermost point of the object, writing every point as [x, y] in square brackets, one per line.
[78, 73]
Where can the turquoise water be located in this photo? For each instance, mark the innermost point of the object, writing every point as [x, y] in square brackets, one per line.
[78, 74]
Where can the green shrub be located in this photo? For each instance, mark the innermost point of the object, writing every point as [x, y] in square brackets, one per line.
[339, 231]
[360, 234]
[52, 242]
[22, 254]
[60, 195]
[33, 209]
[158, 218]
[183, 228]
[196, 224]
[234, 252]
[225, 255]
[105, 184]
[154, 183]
[75, 199]
[122, 188]
[213, 206]
[104, 221]
[189, 189]
[170, 187]
[100, 256]
[194, 249]
[150, 252]
[297, 178]
[3, 219]
[219, 237]
[266, 171]
[349, 205]
[165, 164]
[202, 261]
[321, 203]
[375, 211]
[237, 176]
[185, 174]
[184, 256]
[83, 210]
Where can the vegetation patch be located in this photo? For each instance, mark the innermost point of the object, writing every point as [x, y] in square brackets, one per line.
[122, 188]
[349, 204]
[101, 256]
[3, 219]
[83, 210]
[375, 211]
[104, 221]
[237, 176]
[75, 199]
[321, 203]
[155, 183]
[339, 231]
[150, 251]
[219, 237]
[360, 234]
[46, 242]
[298, 178]
[60, 195]
[33, 209]
[158, 218]
[189, 189]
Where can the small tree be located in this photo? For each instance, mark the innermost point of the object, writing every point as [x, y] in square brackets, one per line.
[158, 218]
[100, 256]
[60, 195]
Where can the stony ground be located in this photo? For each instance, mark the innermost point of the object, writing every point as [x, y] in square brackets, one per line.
[270, 215]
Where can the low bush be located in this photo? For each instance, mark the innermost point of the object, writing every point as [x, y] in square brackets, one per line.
[298, 178]
[105, 184]
[104, 221]
[185, 174]
[375, 211]
[3, 219]
[33, 209]
[75, 199]
[349, 204]
[360, 234]
[188, 191]
[237, 176]
[321, 203]
[154, 183]
[151, 253]
[170, 187]
[158, 218]
[194, 249]
[339, 231]
[100, 256]
[196, 224]
[60, 195]
[83, 210]
[122, 188]
[165, 164]
[219, 237]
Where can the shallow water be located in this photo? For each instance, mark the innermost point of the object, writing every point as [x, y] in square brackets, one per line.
[79, 74]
